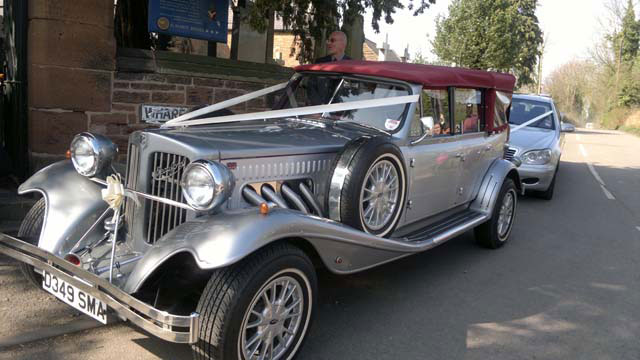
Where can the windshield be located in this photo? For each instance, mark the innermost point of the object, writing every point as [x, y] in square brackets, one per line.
[524, 110]
[322, 89]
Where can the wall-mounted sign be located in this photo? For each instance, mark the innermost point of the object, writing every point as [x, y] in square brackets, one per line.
[158, 114]
[200, 19]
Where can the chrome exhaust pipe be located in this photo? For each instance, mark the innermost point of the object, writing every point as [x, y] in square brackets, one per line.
[294, 198]
[271, 195]
[252, 197]
[308, 195]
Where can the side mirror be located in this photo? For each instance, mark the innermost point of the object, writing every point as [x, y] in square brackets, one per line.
[427, 122]
[567, 127]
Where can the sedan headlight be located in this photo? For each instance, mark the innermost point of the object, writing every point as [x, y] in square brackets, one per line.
[536, 157]
[206, 184]
[91, 153]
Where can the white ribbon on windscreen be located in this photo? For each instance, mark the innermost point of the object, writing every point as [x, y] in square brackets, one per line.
[184, 120]
[529, 122]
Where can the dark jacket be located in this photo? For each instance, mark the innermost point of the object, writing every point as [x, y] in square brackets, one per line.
[329, 58]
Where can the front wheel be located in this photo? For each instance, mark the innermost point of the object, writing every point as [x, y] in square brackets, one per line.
[30, 232]
[259, 308]
[495, 232]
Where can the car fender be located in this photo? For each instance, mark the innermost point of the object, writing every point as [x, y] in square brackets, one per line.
[223, 239]
[487, 196]
[73, 204]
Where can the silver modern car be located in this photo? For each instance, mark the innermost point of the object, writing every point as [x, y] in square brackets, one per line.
[537, 140]
[213, 234]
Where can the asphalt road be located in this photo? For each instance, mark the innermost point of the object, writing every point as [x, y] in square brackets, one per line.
[567, 286]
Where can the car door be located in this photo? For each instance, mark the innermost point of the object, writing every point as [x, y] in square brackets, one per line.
[433, 165]
[470, 141]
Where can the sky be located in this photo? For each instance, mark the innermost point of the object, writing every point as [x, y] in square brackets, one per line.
[572, 26]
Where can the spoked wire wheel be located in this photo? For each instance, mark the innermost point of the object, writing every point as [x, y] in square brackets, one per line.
[368, 186]
[273, 318]
[258, 308]
[379, 195]
[505, 217]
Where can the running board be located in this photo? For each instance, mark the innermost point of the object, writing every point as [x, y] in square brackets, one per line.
[441, 231]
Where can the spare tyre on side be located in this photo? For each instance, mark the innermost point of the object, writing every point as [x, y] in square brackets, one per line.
[368, 186]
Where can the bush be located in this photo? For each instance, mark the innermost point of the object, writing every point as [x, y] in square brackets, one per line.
[615, 118]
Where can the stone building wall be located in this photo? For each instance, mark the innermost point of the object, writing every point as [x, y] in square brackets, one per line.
[78, 81]
[132, 89]
[71, 60]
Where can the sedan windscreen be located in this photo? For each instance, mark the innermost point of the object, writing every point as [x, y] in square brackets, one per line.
[320, 89]
[524, 110]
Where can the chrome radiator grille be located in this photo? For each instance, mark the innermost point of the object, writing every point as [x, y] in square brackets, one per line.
[509, 153]
[132, 179]
[166, 172]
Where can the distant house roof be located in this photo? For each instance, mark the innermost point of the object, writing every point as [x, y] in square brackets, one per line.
[427, 75]
[391, 56]
[369, 50]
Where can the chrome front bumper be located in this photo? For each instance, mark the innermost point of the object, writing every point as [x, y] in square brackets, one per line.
[544, 174]
[174, 328]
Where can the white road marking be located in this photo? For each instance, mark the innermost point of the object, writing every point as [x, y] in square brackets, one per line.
[638, 228]
[583, 151]
[607, 193]
[595, 174]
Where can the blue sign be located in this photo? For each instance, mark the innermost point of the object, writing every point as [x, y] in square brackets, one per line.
[200, 19]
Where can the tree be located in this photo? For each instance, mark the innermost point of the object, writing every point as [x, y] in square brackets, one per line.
[572, 87]
[419, 58]
[629, 36]
[501, 35]
[310, 19]
[627, 74]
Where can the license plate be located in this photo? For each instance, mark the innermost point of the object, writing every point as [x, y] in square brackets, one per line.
[74, 296]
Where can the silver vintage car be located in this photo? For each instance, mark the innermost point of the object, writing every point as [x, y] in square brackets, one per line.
[212, 234]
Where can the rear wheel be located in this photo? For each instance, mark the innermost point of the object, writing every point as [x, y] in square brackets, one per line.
[259, 308]
[30, 232]
[495, 232]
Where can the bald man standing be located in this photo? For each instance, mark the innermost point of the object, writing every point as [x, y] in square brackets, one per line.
[336, 43]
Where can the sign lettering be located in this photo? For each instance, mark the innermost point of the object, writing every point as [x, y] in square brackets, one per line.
[200, 19]
[159, 114]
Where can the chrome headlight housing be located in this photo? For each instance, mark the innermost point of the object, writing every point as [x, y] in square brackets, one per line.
[536, 157]
[92, 153]
[206, 184]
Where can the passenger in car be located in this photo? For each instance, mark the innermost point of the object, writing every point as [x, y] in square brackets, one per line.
[470, 124]
[437, 130]
[444, 127]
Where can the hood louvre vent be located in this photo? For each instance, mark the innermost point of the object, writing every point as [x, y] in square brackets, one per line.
[509, 153]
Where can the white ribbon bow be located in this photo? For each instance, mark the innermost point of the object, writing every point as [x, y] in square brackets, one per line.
[115, 192]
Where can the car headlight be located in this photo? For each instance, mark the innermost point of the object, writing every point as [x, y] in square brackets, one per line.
[206, 184]
[536, 157]
[91, 153]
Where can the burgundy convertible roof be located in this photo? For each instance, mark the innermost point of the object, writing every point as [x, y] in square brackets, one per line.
[428, 75]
